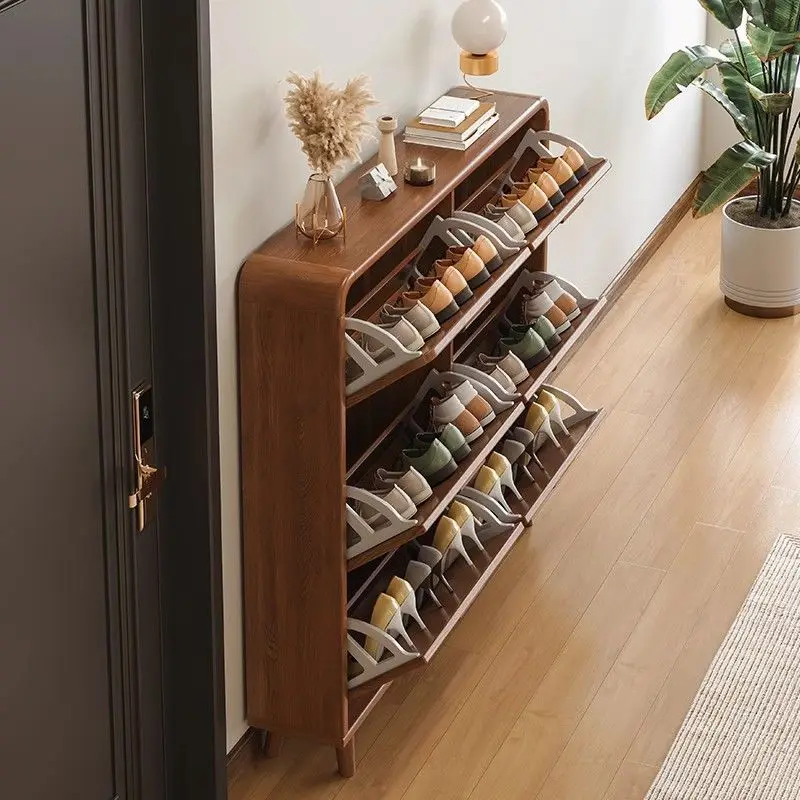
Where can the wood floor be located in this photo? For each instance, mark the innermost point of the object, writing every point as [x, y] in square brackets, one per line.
[574, 669]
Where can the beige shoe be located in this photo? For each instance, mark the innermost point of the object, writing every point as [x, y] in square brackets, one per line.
[467, 263]
[517, 220]
[420, 316]
[560, 171]
[551, 405]
[532, 197]
[485, 251]
[575, 162]
[403, 592]
[509, 363]
[437, 298]
[539, 304]
[472, 401]
[560, 296]
[500, 375]
[547, 183]
[452, 280]
[448, 539]
[452, 410]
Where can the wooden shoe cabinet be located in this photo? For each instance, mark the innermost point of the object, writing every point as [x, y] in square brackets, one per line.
[304, 439]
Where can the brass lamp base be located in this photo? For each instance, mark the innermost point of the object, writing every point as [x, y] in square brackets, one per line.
[474, 64]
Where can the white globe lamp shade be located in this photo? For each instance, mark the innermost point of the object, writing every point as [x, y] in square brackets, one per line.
[479, 28]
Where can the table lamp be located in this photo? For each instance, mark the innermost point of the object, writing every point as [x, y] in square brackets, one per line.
[479, 27]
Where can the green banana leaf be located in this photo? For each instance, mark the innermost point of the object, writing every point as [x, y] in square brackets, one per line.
[727, 12]
[681, 68]
[743, 122]
[774, 103]
[728, 175]
[768, 44]
[751, 64]
[781, 15]
[754, 9]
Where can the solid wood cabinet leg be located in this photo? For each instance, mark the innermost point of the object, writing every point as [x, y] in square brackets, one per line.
[346, 759]
[271, 744]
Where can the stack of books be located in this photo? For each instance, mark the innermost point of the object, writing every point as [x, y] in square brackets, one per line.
[451, 122]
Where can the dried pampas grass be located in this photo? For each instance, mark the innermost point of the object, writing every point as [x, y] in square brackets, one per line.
[330, 123]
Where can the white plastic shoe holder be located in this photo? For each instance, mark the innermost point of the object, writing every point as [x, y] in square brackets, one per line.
[395, 655]
[487, 513]
[485, 386]
[580, 412]
[368, 536]
[457, 233]
[527, 280]
[372, 370]
[489, 224]
[534, 140]
[479, 377]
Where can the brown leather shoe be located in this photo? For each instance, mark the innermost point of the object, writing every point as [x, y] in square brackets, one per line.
[547, 183]
[560, 171]
[453, 281]
[576, 163]
[437, 298]
[531, 196]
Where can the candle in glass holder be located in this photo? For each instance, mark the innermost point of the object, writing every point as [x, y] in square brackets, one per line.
[420, 172]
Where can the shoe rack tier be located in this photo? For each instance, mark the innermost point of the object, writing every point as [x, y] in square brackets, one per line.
[300, 435]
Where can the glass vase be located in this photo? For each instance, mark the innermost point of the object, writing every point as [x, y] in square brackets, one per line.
[319, 214]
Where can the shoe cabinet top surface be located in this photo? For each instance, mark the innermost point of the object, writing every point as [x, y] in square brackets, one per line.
[373, 227]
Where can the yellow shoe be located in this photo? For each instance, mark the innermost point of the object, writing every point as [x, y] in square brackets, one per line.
[447, 539]
[487, 482]
[462, 515]
[537, 421]
[553, 408]
[502, 466]
[386, 617]
[467, 262]
[403, 592]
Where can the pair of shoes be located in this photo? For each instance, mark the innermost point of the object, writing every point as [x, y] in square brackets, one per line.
[494, 476]
[416, 314]
[432, 458]
[508, 370]
[453, 528]
[409, 481]
[454, 278]
[545, 410]
[517, 221]
[462, 406]
[391, 610]
[550, 300]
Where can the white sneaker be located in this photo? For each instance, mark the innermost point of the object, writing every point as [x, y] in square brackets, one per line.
[410, 481]
[402, 330]
[509, 363]
[419, 315]
[519, 213]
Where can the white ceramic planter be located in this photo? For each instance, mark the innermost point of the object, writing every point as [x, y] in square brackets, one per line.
[760, 268]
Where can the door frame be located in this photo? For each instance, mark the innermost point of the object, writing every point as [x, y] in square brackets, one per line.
[176, 57]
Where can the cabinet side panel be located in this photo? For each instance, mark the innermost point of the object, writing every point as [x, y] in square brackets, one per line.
[291, 346]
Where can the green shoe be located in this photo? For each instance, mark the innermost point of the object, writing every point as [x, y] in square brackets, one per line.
[451, 437]
[530, 349]
[434, 461]
[542, 326]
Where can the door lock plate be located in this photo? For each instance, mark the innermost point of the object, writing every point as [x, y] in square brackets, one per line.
[148, 478]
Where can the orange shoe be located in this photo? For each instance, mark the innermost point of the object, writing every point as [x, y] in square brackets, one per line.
[547, 183]
[467, 263]
[576, 163]
[453, 281]
[561, 172]
[437, 298]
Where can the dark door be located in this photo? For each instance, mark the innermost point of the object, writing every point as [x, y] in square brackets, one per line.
[81, 710]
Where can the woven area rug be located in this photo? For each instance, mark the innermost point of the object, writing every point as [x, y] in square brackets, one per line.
[741, 738]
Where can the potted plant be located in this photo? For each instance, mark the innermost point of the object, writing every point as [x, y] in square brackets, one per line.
[758, 71]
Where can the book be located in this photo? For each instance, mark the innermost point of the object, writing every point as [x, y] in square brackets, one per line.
[460, 132]
[448, 111]
[451, 144]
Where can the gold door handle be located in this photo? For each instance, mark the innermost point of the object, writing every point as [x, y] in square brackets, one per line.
[149, 480]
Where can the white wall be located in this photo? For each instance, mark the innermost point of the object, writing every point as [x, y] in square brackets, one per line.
[593, 60]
